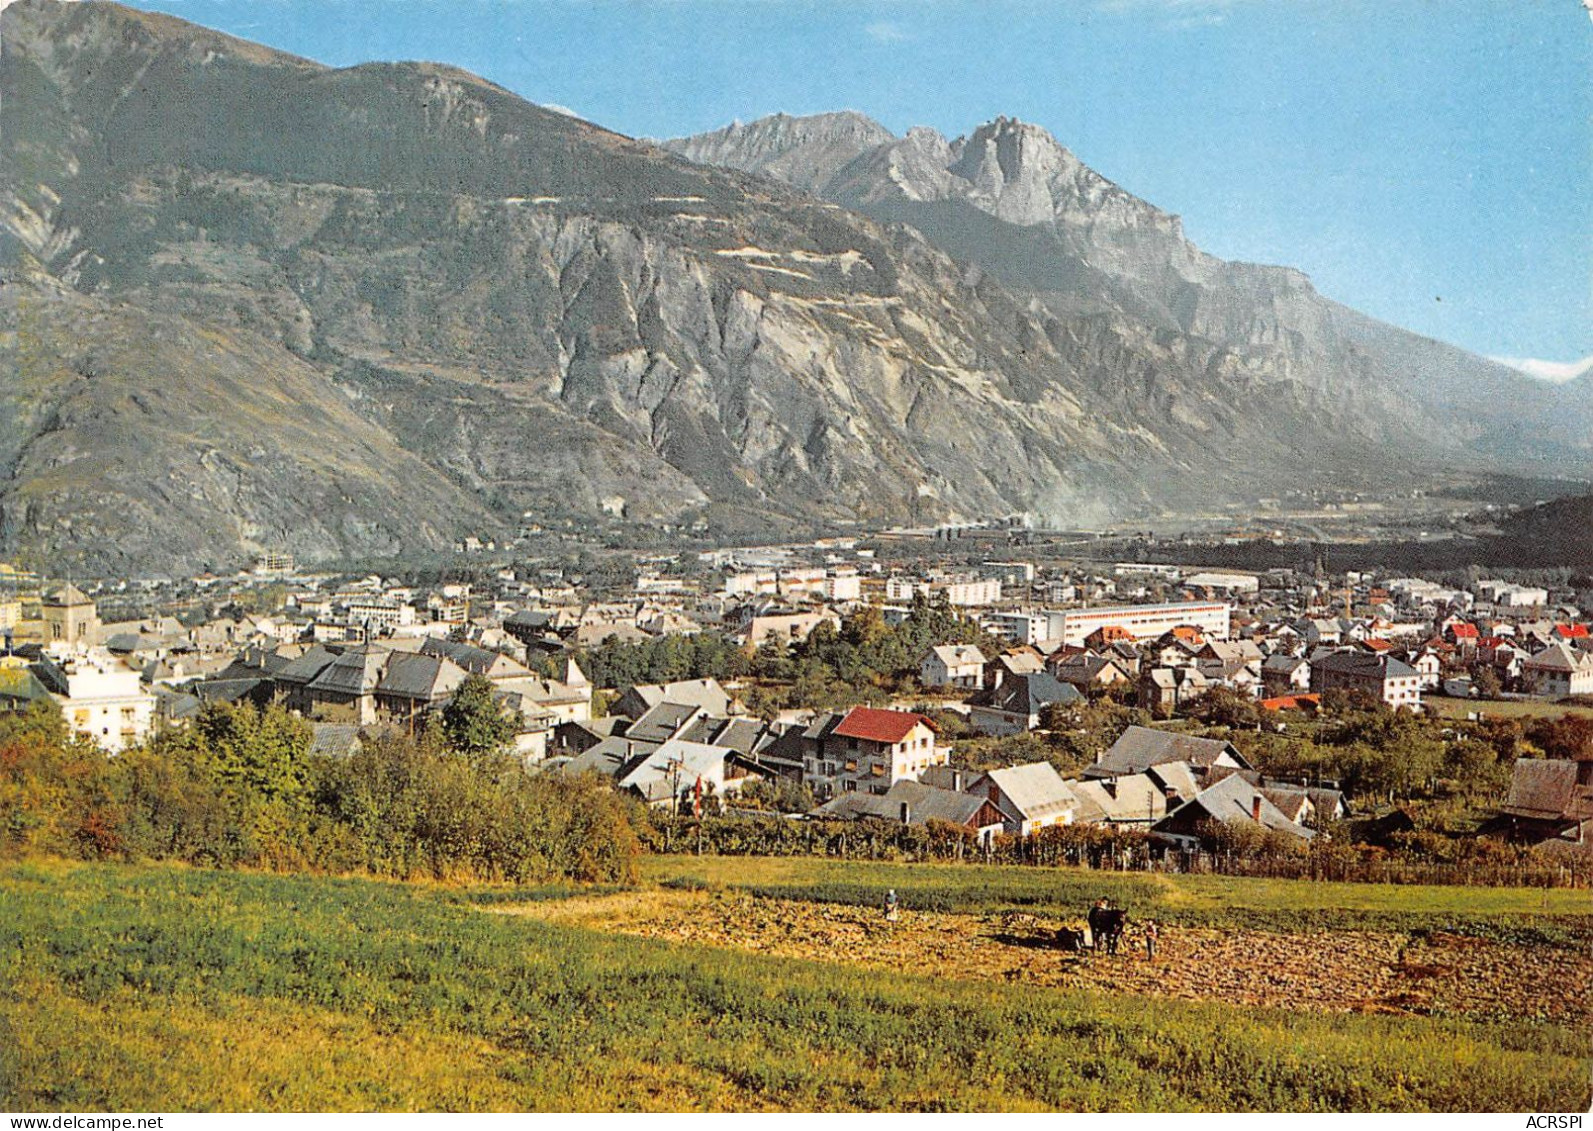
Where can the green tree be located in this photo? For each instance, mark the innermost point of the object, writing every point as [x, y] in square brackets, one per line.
[476, 724]
[254, 752]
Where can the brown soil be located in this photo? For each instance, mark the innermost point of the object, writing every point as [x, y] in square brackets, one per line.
[1331, 971]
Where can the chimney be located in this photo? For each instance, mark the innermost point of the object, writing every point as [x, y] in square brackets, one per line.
[1255, 809]
[956, 781]
[907, 812]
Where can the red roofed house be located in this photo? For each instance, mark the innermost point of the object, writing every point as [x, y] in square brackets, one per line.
[868, 750]
[1462, 635]
[1107, 634]
[1571, 631]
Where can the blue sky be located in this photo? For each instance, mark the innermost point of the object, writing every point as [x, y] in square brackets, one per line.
[1427, 161]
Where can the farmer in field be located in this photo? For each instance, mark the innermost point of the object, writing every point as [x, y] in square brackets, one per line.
[1152, 933]
[891, 905]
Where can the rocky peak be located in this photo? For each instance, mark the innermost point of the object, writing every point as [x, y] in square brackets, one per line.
[1020, 173]
[803, 151]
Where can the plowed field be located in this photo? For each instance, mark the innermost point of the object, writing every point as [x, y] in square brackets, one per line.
[1431, 973]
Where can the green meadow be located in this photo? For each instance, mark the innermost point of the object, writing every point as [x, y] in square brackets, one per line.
[157, 987]
[1553, 915]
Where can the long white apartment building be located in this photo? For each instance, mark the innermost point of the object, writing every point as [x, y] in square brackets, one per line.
[1146, 622]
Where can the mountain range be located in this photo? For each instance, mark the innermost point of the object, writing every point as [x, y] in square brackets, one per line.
[253, 302]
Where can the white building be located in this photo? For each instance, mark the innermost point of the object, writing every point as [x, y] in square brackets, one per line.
[900, 589]
[1558, 671]
[1126, 569]
[953, 665]
[382, 614]
[1146, 622]
[1025, 626]
[100, 698]
[795, 581]
[967, 593]
[1505, 594]
[868, 750]
[1225, 582]
[843, 585]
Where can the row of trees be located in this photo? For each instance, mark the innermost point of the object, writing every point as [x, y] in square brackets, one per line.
[703, 655]
[243, 787]
[833, 668]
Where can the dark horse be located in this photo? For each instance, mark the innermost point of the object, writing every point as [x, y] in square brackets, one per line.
[1107, 923]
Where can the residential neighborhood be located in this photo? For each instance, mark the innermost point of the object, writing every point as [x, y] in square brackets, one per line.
[360, 655]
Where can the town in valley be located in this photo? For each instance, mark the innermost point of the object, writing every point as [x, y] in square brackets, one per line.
[1041, 692]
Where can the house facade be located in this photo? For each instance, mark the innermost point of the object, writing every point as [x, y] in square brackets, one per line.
[953, 665]
[1559, 671]
[868, 750]
[1391, 680]
[100, 698]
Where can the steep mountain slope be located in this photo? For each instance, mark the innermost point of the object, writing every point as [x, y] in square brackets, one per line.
[134, 439]
[508, 310]
[1011, 199]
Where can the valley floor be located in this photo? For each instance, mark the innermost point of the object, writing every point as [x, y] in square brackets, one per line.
[777, 985]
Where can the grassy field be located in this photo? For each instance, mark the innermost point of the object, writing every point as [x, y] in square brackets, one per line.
[1557, 915]
[1502, 708]
[139, 988]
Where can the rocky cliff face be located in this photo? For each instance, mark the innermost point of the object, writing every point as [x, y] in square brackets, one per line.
[134, 440]
[395, 303]
[1011, 199]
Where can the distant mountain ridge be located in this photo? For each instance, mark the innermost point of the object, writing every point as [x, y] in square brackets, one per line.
[402, 304]
[1011, 199]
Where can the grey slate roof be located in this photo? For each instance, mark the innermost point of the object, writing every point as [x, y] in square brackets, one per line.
[355, 672]
[226, 690]
[1140, 748]
[924, 803]
[1367, 665]
[1559, 657]
[609, 757]
[1133, 797]
[411, 675]
[1028, 693]
[305, 668]
[745, 735]
[1083, 669]
[1035, 790]
[1233, 800]
[19, 687]
[476, 661]
[704, 693]
[334, 740]
[662, 722]
[1176, 776]
[675, 762]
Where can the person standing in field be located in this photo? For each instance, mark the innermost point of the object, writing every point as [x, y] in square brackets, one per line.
[1152, 933]
[891, 905]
